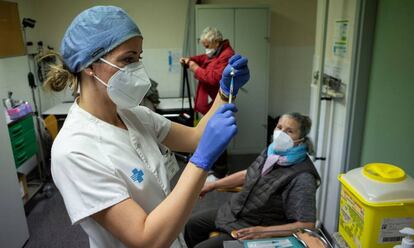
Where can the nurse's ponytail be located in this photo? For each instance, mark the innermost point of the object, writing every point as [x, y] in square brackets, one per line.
[58, 75]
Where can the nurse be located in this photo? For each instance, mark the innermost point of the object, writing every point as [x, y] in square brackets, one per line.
[111, 160]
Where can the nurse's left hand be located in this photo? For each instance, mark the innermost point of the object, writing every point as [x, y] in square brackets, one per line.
[237, 63]
[220, 129]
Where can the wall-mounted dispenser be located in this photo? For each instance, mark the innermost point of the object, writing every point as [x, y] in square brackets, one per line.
[332, 88]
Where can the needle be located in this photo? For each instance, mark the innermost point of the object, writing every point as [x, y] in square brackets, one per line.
[231, 85]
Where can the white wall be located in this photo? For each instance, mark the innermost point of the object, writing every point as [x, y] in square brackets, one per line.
[14, 70]
[160, 21]
[13, 77]
[292, 39]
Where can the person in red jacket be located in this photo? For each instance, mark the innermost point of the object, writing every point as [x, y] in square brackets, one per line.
[207, 68]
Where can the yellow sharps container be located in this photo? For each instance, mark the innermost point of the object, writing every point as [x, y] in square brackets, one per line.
[376, 202]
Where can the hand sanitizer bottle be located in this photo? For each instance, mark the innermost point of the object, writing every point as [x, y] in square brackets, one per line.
[407, 241]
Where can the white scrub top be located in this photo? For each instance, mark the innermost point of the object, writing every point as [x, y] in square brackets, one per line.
[96, 165]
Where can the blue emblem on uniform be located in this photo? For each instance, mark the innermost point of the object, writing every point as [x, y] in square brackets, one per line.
[137, 175]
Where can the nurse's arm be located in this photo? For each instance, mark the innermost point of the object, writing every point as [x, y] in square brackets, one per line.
[130, 224]
[182, 138]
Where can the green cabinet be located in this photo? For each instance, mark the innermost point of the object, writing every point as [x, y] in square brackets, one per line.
[23, 139]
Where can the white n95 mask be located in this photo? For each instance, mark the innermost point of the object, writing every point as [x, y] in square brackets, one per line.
[210, 52]
[128, 86]
[282, 141]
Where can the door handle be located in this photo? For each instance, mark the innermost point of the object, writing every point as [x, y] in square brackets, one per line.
[326, 98]
[316, 75]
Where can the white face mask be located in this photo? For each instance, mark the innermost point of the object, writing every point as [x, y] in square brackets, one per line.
[128, 86]
[210, 51]
[282, 141]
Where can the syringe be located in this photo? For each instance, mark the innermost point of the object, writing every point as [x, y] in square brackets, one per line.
[231, 85]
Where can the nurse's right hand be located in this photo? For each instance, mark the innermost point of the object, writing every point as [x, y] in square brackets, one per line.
[219, 130]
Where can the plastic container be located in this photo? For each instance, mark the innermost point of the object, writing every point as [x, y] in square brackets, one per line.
[19, 111]
[376, 201]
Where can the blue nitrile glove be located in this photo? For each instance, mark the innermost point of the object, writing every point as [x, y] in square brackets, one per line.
[220, 129]
[241, 76]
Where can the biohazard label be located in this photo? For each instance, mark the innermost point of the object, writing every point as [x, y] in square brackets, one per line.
[390, 229]
[351, 217]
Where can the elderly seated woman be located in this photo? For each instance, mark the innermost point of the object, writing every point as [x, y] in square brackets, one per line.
[278, 193]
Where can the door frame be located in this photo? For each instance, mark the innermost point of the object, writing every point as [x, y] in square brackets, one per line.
[359, 89]
[356, 98]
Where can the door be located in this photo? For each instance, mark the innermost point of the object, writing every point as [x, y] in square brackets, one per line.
[331, 110]
[251, 40]
[222, 19]
[247, 30]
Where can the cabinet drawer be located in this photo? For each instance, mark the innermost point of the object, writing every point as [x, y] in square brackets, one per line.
[19, 128]
[20, 158]
[22, 155]
[22, 142]
[23, 139]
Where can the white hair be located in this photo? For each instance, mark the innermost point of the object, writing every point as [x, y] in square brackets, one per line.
[211, 34]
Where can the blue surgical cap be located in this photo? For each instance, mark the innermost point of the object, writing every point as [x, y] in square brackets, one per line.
[95, 32]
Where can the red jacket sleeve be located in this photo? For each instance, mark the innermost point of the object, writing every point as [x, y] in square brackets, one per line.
[199, 59]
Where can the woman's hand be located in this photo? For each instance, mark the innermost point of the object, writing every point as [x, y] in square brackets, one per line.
[189, 64]
[260, 232]
[255, 232]
[184, 61]
[206, 188]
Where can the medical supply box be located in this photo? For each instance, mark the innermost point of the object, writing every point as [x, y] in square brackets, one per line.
[376, 201]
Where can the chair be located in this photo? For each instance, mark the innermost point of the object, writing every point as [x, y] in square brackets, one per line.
[51, 125]
[310, 238]
[232, 190]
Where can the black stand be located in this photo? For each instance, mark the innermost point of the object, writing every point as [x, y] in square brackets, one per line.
[186, 116]
[44, 177]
